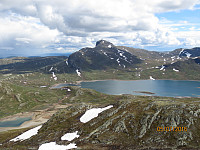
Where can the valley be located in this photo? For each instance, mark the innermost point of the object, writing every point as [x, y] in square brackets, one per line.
[26, 90]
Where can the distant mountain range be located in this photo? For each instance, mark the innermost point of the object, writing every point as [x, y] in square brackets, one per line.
[105, 56]
[41, 55]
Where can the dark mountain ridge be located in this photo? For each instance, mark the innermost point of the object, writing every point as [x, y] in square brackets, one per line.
[103, 56]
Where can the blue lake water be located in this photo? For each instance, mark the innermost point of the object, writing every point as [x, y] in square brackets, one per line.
[171, 88]
[14, 123]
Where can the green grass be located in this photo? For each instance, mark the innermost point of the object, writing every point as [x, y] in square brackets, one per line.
[16, 98]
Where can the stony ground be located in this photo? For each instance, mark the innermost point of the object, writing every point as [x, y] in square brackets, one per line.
[130, 124]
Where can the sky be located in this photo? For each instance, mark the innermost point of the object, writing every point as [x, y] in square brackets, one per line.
[36, 27]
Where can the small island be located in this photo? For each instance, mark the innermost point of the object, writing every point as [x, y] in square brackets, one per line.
[144, 92]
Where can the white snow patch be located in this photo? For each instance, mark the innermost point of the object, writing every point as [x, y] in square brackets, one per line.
[70, 136]
[43, 86]
[93, 113]
[68, 90]
[51, 69]
[195, 57]
[162, 67]
[181, 52]
[111, 58]
[54, 76]
[175, 70]
[78, 72]
[27, 134]
[188, 54]
[118, 61]
[54, 146]
[109, 46]
[124, 66]
[66, 62]
[121, 55]
[151, 78]
[105, 53]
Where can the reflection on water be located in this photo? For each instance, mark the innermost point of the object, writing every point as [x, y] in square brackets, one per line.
[171, 88]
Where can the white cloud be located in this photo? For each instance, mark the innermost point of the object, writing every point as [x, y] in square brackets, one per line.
[66, 25]
[24, 34]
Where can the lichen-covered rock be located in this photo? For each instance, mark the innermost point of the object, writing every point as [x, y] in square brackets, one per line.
[130, 124]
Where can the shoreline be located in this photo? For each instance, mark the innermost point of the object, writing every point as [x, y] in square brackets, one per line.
[38, 117]
[79, 82]
[126, 80]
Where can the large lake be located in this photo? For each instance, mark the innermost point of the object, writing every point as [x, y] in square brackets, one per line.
[171, 88]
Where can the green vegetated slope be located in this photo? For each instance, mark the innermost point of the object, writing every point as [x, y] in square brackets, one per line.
[130, 124]
[20, 97]
[22, 78]
[181, 70]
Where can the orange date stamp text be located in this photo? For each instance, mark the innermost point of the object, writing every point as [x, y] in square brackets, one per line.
[171, 129]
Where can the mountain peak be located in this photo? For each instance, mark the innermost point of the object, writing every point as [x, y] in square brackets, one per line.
[104, 43]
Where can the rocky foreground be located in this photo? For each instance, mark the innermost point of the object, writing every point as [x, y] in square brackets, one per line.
[134, 122]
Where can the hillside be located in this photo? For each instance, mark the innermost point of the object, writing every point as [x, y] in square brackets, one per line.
[188, 69]
[107, 61]
[103, 56]
[130, 124]
[123, 121]
[19, 65]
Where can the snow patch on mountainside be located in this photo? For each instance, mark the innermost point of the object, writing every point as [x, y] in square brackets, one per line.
[188, 54]
[175, 70]
[70, 136]
[118, 61]
[54, 146]
[181, 52]
[27, 134]
[78, 72]
[54, 76]
[93, 113]
[50, 69]
[162, 68]
[105, 53]
[151, 78]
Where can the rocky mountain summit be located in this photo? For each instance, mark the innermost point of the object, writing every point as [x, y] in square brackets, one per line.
[103, 56]
[117, 60]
